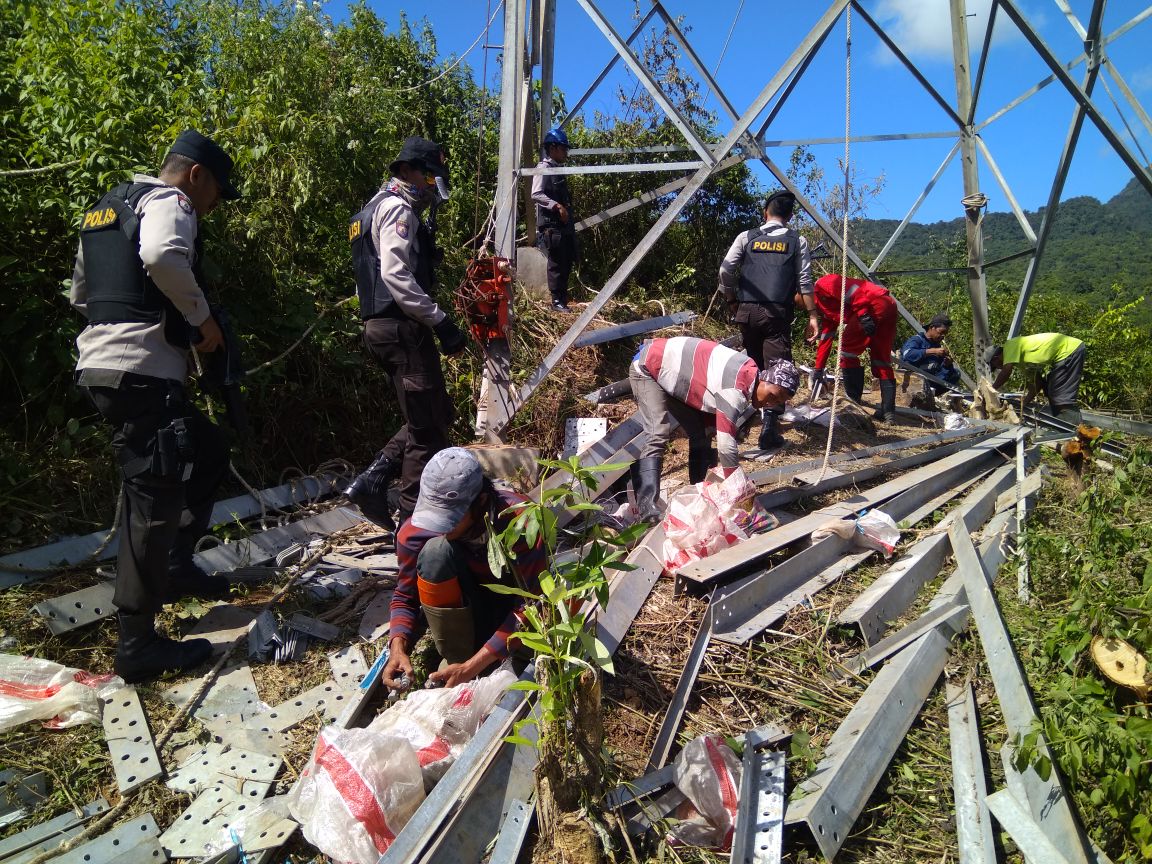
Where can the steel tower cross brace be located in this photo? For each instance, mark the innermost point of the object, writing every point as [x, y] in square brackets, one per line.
[740, 144]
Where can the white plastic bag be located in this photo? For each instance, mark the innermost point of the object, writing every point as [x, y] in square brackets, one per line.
[711, 516]
[35, 689]
[708, 773]
[438, 723]
[877, 530]
[955, 421]
[358, 790]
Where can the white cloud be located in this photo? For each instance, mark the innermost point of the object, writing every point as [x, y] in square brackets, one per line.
[923, 28]
[1141, 79]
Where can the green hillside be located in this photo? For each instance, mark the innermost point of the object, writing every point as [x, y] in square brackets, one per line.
[1093, 246]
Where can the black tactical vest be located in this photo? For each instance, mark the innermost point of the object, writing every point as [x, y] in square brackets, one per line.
[768, 271]
[556, 188]
[119, 288]
[375, 299]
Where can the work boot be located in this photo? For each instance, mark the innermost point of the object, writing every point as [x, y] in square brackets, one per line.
[887, 409]
[854, 383]
[143, 654]
[453, 630]
[770, 437]
[369, 491]
[649, 470]
[1067, 414]
[187, 579]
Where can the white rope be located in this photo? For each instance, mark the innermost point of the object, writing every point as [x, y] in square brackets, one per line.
[459, 59]
[844, 238]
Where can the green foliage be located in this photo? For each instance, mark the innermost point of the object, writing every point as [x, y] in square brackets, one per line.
[1093, 569]
[557, 628]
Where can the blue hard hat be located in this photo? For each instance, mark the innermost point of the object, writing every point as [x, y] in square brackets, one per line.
[555, 136]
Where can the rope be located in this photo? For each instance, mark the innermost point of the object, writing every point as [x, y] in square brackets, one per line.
[480, 128]
[1104, 80]
[94, 555]
[459, 59]
[844, 238]
[724, 49]
[43, 169]
[295, 344]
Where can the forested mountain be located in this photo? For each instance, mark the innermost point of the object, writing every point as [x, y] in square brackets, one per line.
[1092, 247]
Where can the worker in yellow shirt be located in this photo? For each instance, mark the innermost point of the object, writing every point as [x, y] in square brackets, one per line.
[1053, 357]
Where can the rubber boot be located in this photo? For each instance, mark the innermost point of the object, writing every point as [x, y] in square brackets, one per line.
[453, 630]
[143, 654]
[770, 437]
[699, 461]
[649, 470]
[854, 383]
[887, 409]
[369, 491]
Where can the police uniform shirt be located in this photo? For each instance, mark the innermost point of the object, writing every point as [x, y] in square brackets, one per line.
[168, 227]
[394, 227]
[730, 268]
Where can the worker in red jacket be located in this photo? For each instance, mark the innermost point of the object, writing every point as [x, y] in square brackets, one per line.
[870, 314]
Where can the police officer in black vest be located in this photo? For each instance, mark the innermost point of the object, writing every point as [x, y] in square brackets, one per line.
[394, 255]
[137, 281]
[555, 220]
[761, 274]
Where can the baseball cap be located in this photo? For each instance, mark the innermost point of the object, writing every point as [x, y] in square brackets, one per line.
[782, 373]
[423, 154]
[450, 483]
[204, 151]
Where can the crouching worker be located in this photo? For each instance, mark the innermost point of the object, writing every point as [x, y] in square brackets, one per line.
[1053, 357]
[697, 381]
[927, 351]
[442, 551]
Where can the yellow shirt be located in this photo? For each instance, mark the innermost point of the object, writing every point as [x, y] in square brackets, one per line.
[1040, 349]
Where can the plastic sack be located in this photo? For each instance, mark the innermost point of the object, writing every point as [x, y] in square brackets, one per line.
[955, 421]
[35, 689]
[711, 516]
[438, 723]
[877, 530]
[357, 791]
[708, 773]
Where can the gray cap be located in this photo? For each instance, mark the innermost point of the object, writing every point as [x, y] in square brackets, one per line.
[782, 373]
[450, 483]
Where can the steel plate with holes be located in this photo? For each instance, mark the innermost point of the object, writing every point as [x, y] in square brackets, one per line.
[189, 776]
[232, 693]
[20, 792]
[374, 624]
[134, 842]
[129, 740]
[248, 734]
[45, 831]
[205, 821]
[222, 626]
[78, 608]
[348, 666]
[326, 697]
[245, 771]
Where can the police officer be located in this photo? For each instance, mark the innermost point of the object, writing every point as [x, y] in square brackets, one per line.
[762, 272]
[137, 281]
[394, 255]
[555, 221]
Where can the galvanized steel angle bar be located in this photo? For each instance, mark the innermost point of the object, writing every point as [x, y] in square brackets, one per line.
[949, 619]
[973, 826]
[19, 793]
[633, 328]
[1047, 800]
[1116, 423]
[264, 546]
[132, 842]
[513, 833]
[629, 591]
[376, 619]
[458, 782]
[759, 830]
[46, 831]
[915, 206]
[77, 608]
[134, 758]
[666, 736]
[829, 801]
[1029, 838]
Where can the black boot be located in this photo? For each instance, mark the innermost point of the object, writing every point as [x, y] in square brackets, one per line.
[369, 491]
[649, 470]
[854, 383]
[770, 437]
[887, 409]
[143, 654]
[187, 579]
[699, 461]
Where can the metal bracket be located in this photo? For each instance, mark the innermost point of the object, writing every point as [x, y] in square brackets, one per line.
[759, 833]
[77, 608]
[134, 758]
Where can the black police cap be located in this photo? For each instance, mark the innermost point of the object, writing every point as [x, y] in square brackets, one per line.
[204, 151]
[423, 154]
[784, 194]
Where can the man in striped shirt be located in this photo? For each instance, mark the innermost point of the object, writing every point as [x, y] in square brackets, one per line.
[698, 382]
[442, 552]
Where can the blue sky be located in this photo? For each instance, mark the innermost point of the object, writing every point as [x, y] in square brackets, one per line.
[1026, 143]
